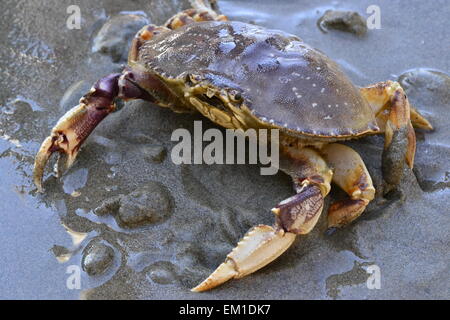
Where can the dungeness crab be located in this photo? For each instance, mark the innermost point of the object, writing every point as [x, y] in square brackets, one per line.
[243, 76]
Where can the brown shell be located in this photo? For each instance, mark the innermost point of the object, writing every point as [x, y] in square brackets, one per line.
[283, 81]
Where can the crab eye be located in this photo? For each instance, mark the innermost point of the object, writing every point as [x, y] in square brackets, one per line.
[235, 96]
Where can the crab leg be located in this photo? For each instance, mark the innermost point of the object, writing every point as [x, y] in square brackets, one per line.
[419, 121]
[352, 176]
[75, 126]
[199, 12]
[393, 112]
[295, 215]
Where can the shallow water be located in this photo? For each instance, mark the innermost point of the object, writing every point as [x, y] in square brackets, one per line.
[213, 206]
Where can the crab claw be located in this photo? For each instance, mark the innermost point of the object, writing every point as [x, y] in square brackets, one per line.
[64, 138]
[260, 246]
[75, 126]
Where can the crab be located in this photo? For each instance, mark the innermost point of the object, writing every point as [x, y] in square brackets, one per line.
[243, 76]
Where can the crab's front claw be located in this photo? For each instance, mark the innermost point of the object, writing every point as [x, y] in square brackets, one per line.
[66, 138]
[76, 125]
[260, 246]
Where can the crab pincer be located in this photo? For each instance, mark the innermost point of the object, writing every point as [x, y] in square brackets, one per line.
[76, 125]
[260, 246]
